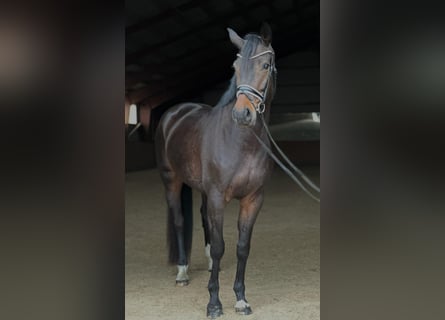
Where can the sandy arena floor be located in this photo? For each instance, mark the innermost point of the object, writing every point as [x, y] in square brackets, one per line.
[283, 270]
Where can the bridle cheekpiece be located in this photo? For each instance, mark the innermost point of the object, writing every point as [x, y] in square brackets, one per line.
[250, 91]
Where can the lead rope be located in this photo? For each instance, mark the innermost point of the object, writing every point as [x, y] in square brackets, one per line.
[283, 167]
[260, 108]
[305, 178]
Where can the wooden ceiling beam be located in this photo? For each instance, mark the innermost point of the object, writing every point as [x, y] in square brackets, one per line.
[200, 80]
[203, 71]
[151, 48]
[281, 44]
[221, 72]
[196, 85]
[210, 47]
[146, 23]
[146, 75]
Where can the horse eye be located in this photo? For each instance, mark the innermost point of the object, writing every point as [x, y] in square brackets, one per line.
[266, 66]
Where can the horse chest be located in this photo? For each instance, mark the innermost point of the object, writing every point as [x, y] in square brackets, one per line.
[247, 180]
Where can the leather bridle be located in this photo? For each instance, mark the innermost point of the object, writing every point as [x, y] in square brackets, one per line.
[251, 92]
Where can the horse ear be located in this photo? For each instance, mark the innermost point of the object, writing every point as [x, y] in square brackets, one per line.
[235, 38]
[266, 33]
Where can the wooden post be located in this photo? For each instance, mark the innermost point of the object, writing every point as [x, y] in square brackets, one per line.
[127, 111]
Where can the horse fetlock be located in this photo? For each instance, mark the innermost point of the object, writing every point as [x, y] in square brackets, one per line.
[242, 307]
[213, 288]
[182, 278]
[214, 310]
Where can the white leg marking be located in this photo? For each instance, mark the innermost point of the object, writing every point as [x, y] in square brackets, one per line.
[209, 258]
[182, 273]
[241, 304]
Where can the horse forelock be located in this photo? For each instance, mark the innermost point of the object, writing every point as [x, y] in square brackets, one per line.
[252, 41]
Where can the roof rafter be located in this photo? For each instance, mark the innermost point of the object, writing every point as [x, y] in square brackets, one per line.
[160, 68]
[148, 49]
[146, 23]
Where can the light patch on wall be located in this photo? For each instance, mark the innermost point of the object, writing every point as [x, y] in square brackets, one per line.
[316, 116]
[133, 116]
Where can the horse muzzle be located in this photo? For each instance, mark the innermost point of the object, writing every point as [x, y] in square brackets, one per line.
[243, 113]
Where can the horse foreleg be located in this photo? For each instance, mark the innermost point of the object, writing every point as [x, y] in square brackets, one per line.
[249, 209]
[215, 210]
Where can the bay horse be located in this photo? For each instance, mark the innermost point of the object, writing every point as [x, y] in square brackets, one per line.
[214, 151]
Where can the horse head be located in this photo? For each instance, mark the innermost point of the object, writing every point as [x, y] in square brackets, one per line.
[254, 70]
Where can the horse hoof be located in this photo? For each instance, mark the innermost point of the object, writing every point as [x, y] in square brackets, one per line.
[244, 311]
[242, 307]
[182, 283]
[214, 312]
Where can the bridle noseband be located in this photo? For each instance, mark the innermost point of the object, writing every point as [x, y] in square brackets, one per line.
[250, 91]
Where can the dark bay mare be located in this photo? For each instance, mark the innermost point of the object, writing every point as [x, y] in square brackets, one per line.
[214, 151]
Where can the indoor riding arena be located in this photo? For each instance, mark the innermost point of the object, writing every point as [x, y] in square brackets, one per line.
[180, 51]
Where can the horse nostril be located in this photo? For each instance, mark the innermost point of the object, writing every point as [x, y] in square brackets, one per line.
[243, 116]
[247, 114]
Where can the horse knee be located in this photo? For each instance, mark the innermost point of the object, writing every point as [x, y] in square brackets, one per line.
[178, 221]
[217, 250]
[242, 250]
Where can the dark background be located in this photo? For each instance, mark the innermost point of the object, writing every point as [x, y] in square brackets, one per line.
[63, 147]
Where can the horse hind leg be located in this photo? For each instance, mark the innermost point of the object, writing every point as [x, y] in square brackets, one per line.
[205, 226]
[179, 228]
[209, 257]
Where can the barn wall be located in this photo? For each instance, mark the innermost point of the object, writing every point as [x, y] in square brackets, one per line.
[298, 90]
[139, 155]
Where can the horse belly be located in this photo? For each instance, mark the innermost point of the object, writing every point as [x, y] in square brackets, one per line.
[190, 172]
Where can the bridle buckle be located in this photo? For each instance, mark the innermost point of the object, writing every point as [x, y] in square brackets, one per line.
[261, 107]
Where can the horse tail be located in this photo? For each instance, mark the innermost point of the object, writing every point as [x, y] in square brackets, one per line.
[187, 213]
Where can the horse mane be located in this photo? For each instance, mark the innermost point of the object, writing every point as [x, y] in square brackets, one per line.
[229, 95]
[252, 41]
